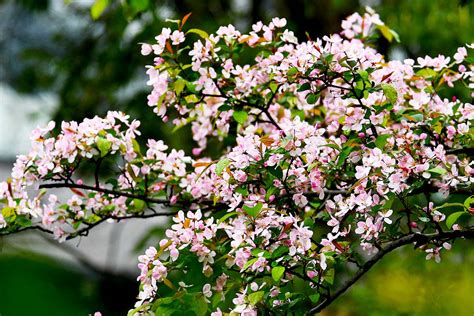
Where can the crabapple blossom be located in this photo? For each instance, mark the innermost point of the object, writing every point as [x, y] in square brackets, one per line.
[327, 153]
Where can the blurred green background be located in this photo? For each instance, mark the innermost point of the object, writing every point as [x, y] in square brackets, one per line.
[91, 66]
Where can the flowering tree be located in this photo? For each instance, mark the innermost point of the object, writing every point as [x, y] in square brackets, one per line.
[330, 157]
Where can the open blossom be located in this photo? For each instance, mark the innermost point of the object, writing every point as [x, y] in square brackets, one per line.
[461, 53]
[146, 49]
[177, 37]
[368, 229]
[206, 290]
[435, 252]
[386, 216]
[279, 22]
[300, 199]
[437, 63]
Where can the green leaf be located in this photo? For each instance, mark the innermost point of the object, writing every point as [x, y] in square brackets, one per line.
[333, 146]
[179, 85]
[314, 298]
[23, 221]
[139, 205]
[424, 219]
[328, 57]
[132, 173]
[438, 170]
[192, 98]
[305, 86]
[277, 273]
[197, 303]
[279, 252]
[136, 146]
[162, 306]
[181, 304]
[98, 8]
[418, 117]
[242, 190]
[343, 155]
[364, 74]
[469, 202]
[292, 71]
[256, 251]
[8, 211]
[390, 92]
[273, 86]
[240, 116]
[224, 107]
[255, 297]
[160, 101]
[395, 36]
[451, 220]
[104, 146]
[253, 211]
[311, 98]
[226, 216]
[199, 32]
[221, 165]
[329, 276]
[450, 205]
[270, 191]
[249, 263]
[426, 72]
[309, 222]
[216, 299]
[277, 172]
[386, 32]
[382, 140]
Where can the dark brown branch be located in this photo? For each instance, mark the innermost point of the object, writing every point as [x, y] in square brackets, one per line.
[85, 230]
[103, 190]
[417, 238]
[271, 119]
[467, 151]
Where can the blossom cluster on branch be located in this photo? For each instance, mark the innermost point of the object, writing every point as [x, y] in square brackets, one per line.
[328, 154]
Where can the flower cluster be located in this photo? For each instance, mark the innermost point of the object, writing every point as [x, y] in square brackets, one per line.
[327, 153]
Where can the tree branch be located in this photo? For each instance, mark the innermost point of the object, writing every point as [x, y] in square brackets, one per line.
[85, 230]
[468, 151]
[103, 190]
[417, 238]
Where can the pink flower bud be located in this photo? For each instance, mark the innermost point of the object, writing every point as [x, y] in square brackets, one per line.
[197, 151]
[173, 199]
[311, 274]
